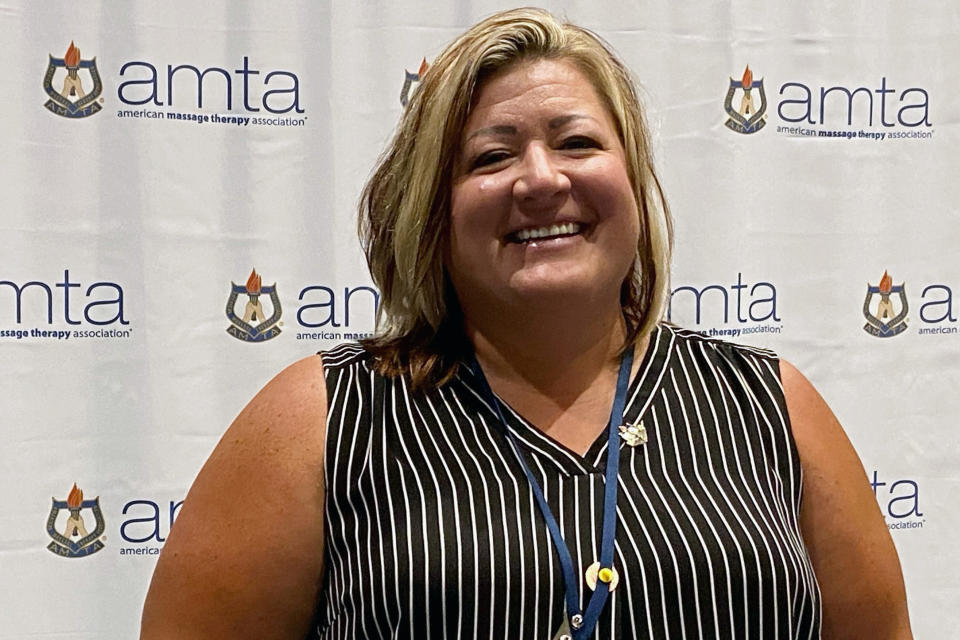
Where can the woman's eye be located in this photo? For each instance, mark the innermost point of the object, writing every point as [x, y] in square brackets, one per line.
[488, 158]
[579, 142]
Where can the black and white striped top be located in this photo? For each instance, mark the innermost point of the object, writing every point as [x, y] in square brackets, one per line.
[432, 530]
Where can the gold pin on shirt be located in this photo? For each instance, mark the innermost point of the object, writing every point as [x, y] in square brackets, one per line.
[607, 575]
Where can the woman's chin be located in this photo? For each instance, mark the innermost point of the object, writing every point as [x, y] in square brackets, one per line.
[555, 289]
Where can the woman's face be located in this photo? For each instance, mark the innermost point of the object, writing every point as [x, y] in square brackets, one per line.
[541, 204]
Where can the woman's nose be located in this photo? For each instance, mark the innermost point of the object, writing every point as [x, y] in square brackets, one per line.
[540, 176]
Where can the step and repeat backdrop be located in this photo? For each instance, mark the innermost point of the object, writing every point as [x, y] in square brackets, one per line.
[178, 187]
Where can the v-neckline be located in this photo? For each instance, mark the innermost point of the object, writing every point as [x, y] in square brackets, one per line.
[546, 449]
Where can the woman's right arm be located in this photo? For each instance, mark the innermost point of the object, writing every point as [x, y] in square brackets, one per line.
[245, 557]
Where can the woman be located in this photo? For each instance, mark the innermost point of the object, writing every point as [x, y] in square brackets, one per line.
[525, 451]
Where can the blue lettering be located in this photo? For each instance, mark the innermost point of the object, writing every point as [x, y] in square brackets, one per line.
[912, 498]
[924, 106]
[946, 303]
[19, 297]
[876, 483]
[174, 508]
[806, 102]
[797, 104]
[697, 295]
[66, 284]
[347, 292]
[282, 97]
[246, 72]
[850, 95]
[154, 520]
[758, 308]
[294, 89]
[739, 287]
[772, 301]
[883, 91]
[118, 301]
[151, 81]
[226, 76]
[151, 519]
[330, 305]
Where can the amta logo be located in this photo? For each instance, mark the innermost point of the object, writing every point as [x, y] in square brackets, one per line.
[144, 84]
[72, 538]
[254, 325]
[77, 96]
[100, 304]
[882, 320]
[736, 306]
[322, 312]
[751, 116]
[801, 105]
[885, 308]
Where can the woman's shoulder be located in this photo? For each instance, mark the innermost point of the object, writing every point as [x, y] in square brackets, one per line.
[345, 355]
[275, 447]
[718, 344]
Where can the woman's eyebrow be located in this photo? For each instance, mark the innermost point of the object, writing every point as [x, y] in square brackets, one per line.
[510, 130]
[498, 129]
[559, 121]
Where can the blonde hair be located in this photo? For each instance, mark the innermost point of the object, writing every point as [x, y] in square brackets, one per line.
[404, 209]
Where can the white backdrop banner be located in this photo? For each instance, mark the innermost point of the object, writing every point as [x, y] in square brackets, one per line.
[177, 223]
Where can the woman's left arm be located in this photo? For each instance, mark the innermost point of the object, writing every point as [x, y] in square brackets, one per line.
[851, 549]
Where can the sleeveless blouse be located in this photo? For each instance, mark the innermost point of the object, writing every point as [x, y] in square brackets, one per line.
[432, 531]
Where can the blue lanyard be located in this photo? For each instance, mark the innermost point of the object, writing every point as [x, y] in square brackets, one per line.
[608, 536]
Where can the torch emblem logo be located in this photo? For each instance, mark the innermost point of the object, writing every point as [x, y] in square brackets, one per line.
[885, 322]
[73, 540]
[72, 95]
[751, 116]
[410, 82]
[254, 325]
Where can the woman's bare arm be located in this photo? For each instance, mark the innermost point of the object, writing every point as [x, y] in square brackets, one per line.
[245, 557]
[851, 549]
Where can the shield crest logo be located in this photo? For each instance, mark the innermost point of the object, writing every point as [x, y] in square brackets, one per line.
[75, 541]
[411, 81]
[254, 325]
[751, 116]
[885, 322]
[79, 82]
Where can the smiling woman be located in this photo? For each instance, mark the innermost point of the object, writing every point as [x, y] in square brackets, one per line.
[540, 151]
[466, 140]
[524, 450]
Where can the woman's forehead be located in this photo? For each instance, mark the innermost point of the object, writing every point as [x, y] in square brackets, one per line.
[542, 85]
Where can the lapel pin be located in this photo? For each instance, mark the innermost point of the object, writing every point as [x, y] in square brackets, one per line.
[633, 434]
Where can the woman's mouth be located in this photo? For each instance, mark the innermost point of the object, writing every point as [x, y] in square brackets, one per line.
[546, 232]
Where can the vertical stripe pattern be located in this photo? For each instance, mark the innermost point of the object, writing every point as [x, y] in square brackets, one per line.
[431, 529]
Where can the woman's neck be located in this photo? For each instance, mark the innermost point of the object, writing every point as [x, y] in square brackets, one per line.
[557, 355]
[557, 372]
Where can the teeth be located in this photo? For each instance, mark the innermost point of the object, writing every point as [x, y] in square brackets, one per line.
[565, 229]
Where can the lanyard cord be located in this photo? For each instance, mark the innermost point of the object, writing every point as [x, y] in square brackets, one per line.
[608, 535]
